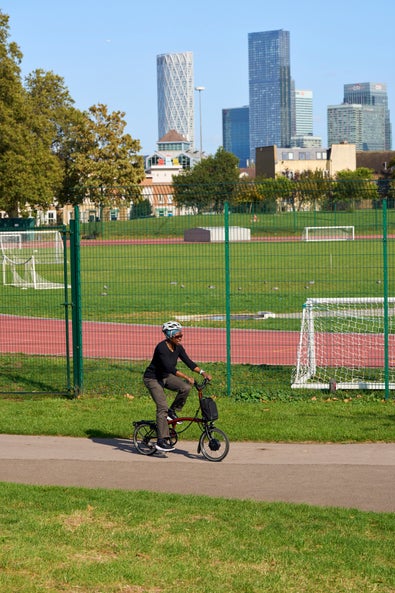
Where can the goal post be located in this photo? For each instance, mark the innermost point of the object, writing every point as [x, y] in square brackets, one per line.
[45, 245]
[28, 258]
[342, 344]
[23, 274]
[328, 233]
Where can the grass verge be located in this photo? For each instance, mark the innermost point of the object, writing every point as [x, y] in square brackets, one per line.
[68, 539]
[115, 396]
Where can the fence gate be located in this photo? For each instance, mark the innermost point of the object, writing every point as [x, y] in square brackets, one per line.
[34, 310]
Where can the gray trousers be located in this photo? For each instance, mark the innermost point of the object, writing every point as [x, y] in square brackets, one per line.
[158, 394]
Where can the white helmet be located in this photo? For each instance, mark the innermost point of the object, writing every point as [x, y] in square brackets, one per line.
[171, 328]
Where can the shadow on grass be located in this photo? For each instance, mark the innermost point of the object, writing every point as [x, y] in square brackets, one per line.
[17, 384]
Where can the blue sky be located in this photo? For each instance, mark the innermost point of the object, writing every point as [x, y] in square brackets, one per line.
[106, 51]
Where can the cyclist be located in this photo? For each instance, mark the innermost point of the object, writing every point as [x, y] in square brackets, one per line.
[162, 373]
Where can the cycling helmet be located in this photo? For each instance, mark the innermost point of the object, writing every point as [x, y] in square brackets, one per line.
[171, 328]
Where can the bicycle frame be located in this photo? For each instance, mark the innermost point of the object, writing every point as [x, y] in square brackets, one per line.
[213, 442]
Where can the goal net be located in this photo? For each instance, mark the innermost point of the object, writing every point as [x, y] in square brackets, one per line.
[45, 246]
[342, 344]
[23, 274]
[328, 233]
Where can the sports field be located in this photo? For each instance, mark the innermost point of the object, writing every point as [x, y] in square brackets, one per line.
[240, 302]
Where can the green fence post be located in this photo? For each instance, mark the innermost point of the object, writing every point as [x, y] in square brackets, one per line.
[385, 281]
[76, 301]
[66, 307]
[227, 300]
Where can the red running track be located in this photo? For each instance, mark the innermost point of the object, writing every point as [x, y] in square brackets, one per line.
[31, 335]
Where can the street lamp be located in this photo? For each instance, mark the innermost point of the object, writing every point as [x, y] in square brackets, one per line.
[200, 89]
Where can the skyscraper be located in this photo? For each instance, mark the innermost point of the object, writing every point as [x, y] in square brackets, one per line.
[362, 119]
[175, 94]
[302, 120]
[303, 113]
[375, 95]
[269, 89]
[236, 133]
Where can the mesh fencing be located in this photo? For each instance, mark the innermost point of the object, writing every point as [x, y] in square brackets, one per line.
[236, 280]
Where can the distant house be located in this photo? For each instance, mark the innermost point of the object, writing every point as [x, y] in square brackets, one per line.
[173, 151]
[272, 161]
[377, 161]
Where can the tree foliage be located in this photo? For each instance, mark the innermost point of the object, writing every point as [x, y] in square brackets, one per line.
[141, 209]
[351, 187]
[49, 150]
[209, 184]
[29, 172]
[103, 159]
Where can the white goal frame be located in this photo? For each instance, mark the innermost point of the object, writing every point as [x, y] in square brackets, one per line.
[22, 251]
[19, 246]
[24, 275]
[328, 233]
[342, 344]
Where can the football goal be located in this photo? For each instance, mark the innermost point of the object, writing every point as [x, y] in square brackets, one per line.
[24, 275]
[23, 251]
[46, 246]
[328, 233]
[342, 344]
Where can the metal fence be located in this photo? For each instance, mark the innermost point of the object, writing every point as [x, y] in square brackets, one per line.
[236, 280]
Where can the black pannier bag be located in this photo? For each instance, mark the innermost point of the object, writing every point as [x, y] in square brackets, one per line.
[209, 409]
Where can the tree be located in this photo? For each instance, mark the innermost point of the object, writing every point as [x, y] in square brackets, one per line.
[101, 160]
[351, 187]
[50, 151]
[209, 184]
[29, 173]
[312, 188]
[141, 209]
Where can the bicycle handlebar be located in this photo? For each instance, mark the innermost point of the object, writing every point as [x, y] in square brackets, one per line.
[202, 385]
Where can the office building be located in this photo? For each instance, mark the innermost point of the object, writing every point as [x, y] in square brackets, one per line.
[269, 89]
[302, 121]
[274, 161]
[303, 113]
[375, 95]
[175, 94]
[363, 118]
[236, 133]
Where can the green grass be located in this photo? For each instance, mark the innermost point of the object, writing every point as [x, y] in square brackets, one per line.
[114, 396]
[146, 283]
[92, 541]
[69, 539]
[367, 221]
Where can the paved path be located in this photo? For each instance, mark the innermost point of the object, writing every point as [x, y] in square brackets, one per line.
[358, 476]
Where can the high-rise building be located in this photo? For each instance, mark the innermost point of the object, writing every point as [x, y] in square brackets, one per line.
[269, 89]
[175, 94]
[302, 120]
[373, 94]
[363, 118]
[236, 133]
[303, 113]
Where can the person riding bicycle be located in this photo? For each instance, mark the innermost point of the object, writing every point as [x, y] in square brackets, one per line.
[162, 373]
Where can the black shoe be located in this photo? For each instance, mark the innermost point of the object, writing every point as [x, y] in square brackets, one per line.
[171, 415]
[162, 445]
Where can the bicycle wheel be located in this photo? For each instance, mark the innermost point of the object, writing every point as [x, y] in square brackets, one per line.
[144, 438]
[213, 444]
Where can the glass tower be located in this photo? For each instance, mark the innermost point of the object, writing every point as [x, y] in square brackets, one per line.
[362, 119]
[175, 94]
[236, 133]
[269, 89]
[373, 94]
[303, 113]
